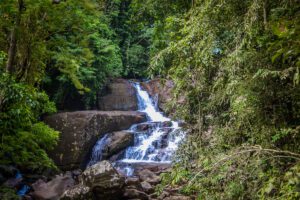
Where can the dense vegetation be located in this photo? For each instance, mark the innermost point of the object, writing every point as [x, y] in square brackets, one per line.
[236, 63]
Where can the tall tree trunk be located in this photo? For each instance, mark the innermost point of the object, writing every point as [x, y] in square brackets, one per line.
[10, 68]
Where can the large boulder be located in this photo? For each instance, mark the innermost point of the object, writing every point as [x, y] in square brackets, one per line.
[80, 130]
[118, 141]
[119, 95]
[104, 181]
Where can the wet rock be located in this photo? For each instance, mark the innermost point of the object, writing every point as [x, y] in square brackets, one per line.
[167, 124]
[147, 187]
[77, 192]
[53, 189]
[118, 141]
[143, 127]
[149, 176]
[104, 181]
[119, 95]
[135, 194]
[80, 130]
[117, 156]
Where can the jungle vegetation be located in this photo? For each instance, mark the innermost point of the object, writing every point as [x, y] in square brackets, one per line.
[236, 64]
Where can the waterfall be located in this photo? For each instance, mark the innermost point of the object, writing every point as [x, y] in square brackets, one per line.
[146, 104]
[98, 150]
[155, 141]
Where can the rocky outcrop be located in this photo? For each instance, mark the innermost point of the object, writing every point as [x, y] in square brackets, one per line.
[119, 95]
[80, 130]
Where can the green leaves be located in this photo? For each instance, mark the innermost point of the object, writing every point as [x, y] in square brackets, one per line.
[24, 139]
[236, 64]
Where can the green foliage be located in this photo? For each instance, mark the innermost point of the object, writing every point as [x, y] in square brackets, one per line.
[24, 139]
[236, 63]
[86, 58]
[71, 42]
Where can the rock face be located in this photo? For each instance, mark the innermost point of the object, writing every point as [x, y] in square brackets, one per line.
[80, 131]
[120, 95]
[118, 141]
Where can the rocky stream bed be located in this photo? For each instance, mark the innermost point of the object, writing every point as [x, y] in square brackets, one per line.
[113, 153]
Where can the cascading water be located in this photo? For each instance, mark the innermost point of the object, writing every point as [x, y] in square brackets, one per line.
[98, 149]
[155, 141]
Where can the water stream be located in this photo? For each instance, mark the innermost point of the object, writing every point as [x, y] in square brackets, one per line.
[155, 141]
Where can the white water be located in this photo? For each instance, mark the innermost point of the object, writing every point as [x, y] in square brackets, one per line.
[146, 105]
[98, 149]
[156, 144]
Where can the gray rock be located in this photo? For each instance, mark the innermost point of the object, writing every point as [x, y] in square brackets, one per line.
[80, 131]
[147, 187]
[149, 176]
[116, 142]
[78, 192]
[120, 95]
[104, 181]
